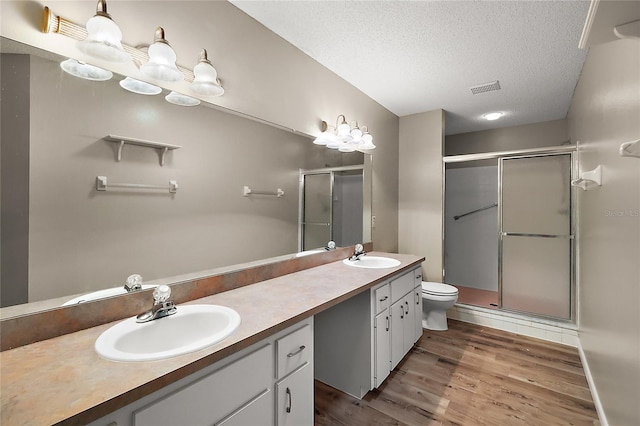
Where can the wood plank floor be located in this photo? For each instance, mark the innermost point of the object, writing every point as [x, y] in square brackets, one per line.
[471, 375]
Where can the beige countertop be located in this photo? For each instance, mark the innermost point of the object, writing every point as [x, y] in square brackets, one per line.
[64, 380]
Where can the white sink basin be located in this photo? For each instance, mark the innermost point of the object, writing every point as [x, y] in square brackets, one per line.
[373, 262]
[191, 328]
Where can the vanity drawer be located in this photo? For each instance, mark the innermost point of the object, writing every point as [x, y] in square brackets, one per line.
[381, 296]
[417, 273]
[402, 285]
[293, 350]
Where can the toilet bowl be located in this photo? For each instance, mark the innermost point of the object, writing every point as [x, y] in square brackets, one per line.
[436, 299]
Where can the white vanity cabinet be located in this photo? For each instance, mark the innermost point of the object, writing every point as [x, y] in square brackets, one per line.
[268, 383]
[404, 320]
[359, 341]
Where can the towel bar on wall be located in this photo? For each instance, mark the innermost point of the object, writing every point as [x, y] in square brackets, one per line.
[103, 185]
[248, 191]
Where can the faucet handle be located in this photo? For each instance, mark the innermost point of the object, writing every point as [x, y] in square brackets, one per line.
[359, 248]
[133, 283]
[161, 294]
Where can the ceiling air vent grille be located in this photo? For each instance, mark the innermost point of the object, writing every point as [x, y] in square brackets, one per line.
[486, 87]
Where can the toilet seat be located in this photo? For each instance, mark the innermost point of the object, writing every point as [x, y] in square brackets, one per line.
[438, 289]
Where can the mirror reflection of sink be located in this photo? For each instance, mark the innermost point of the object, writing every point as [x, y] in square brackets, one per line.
[373, 262]
[191, 328]
[101, 294]
[308, 252]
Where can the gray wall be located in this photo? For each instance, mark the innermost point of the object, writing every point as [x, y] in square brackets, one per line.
[15, 179]
[604, 113]
[420, 224]
[537, 135]
[263, 75]
[80, 235]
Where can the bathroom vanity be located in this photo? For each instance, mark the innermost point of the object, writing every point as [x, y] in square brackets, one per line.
[263, 371]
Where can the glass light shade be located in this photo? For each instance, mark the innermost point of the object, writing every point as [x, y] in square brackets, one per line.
[162, 60]
[139, 87]
[346, 148]
[181, 100]
[343, 129]
[356, 133]
[334, 144]
[205, 81]
[86, 71]
[104, 38]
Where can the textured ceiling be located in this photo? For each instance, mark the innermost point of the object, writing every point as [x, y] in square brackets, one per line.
[416, 56]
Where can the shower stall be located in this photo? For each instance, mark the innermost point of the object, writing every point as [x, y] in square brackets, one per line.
[509, 231]
[331, 205]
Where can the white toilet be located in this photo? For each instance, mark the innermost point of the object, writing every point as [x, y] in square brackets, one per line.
[436, 299]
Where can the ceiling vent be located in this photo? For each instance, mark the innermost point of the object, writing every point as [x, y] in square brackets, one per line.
[486, 87]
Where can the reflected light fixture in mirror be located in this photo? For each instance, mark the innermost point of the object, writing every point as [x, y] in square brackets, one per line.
[139, 87]
[104, 38]
[344, 137]
[206, 77]
[85, 71]
[181, 100]
[162, 60]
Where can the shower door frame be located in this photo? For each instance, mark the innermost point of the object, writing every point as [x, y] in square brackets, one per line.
[571, 236]
[330, 171]
[561, 149]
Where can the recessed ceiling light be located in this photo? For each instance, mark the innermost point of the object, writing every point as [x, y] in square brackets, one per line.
[492, 115]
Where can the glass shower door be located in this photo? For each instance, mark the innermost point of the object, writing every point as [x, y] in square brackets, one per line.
[317, 210]
[536, 240]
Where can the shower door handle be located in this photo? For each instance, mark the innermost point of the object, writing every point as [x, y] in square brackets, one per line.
[521, 234]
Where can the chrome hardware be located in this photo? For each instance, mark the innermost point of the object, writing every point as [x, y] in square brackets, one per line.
[289, 400]
[162, 306]
[407, 311]
[133, 283]
[358, 252]
[384, 298]
[331, 245]
[291, 354]
[387, 318]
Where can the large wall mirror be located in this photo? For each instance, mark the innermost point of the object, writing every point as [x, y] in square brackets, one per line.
[62, 237]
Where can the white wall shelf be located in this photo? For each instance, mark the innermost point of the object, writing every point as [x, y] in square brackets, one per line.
[122, 140]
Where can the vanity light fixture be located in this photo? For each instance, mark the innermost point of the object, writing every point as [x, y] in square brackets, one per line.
[492, 115]
[345, 138]
[104, 38]
[206, 81]
[181, 100]
[159, 59]
[85, 71]
[162, 60]
[139, 87]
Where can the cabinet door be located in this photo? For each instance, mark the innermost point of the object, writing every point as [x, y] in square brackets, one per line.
[382, 348]
[397, 332]
[409, 322]
[417, 296]
[294, 400]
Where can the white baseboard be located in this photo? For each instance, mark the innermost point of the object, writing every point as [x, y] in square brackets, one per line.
[592, 386]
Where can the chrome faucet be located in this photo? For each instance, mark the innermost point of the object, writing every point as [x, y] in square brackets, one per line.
[358, 252]
[162, 306]
[331, 245]
[133, 283]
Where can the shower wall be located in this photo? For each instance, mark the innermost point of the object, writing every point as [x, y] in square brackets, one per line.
[471, 242]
